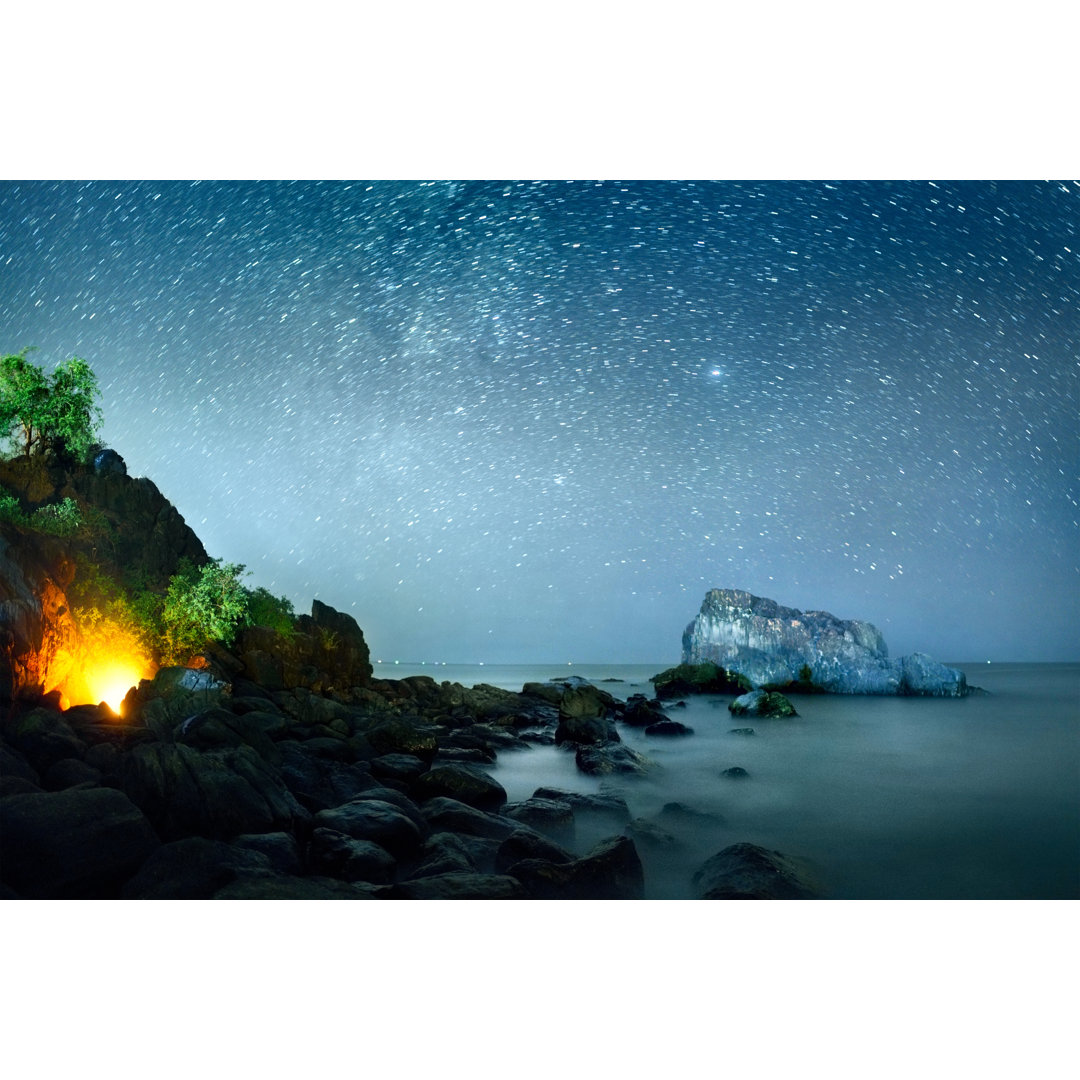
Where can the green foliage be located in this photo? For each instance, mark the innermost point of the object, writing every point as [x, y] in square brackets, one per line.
[57, 519]
[11, 509]
[202, 605]
[806, 674]
[40, 413]
[275, 612]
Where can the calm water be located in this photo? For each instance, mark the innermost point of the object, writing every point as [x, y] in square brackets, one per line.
[892, 798]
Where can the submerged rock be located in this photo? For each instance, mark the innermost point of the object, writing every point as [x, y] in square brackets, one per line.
[698, 678]
[748, 872]
[773, 645]
[761, 703]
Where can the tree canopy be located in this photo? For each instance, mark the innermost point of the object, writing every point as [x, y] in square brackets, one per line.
[42, 413]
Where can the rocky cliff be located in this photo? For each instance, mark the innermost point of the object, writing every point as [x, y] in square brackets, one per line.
[774, 645]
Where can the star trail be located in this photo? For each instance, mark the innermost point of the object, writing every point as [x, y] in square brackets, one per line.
[535, 421]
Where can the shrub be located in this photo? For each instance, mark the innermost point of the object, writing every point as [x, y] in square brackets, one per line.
[202, 605]
[275, 612]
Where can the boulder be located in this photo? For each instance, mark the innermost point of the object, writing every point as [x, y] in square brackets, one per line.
[614, 758]
[81, 843]
[748, 872]
[641, 712]
[553, 817]
[525, 844]
[319, 783]
[42, 737]
[611, 871]
[600, 804]
[697, 678]
[288, 887]
[446, 853]
[376, 820]
[463, 783]
[192, 869]
[333, 854]
[668, 728]
[450, 815]
[762, 703]
[459, 886]
[772, 645]
[279, 848]
[218, 794]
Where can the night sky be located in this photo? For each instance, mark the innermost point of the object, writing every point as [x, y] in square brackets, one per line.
[536, 421]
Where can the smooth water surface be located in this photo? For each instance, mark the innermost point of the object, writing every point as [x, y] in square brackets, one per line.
[892, 798]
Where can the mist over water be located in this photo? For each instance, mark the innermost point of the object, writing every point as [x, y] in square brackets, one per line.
[891, 798]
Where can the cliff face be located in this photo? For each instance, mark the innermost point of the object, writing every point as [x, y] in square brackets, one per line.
[772, 644]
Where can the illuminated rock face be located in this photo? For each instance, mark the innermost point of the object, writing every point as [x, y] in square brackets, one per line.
[38, 637]
[773, 645]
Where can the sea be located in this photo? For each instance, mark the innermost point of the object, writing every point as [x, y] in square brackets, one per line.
[886, 798]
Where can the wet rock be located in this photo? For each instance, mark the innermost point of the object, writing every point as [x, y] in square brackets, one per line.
[742, 731]
[611, 871]
[81, 843]
[42, 736]
[447, 853]
[762, 703]
[279, 848]
[641, 712]
[525, 844]
[69, 773]
[598, 804]
[218, 794]
[676, 815]
[669, 728]
[551, 816]
[318, 783]
[286, 887]
[373, 819]
[616, 758]
[459, 886]
[450, 815]
[697, 678]
[748, 872]
[334, 854]
[463, 783]
[403, 767]
[649, 834]
[192, 869]
[736, 772]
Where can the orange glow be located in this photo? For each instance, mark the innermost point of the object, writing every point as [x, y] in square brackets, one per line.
[111, 681]
[106, 664]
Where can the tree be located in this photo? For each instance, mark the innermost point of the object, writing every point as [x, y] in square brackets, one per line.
[41, 414]
[200, 606]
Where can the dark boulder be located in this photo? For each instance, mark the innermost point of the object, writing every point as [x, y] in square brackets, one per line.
[108, 462]
[601, 804]
[459, 886]
[553, 817]
[450, 815]
[736, 772]
[705, 678]
[525, 844]
[748, 872]
[42, 736]
[611, 871]
[463, 783]
[373, 819]
[288, 887]
[333, 854]
[762, 703]
[81, 843]
[279, 848]
[449, 853]
[192, 869]
[320, 783]
[69, 773]
[218, 794]
[641, 712]
[668, 728]
[614, 758]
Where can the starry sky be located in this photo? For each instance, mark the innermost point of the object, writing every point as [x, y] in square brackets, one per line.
[535, 421]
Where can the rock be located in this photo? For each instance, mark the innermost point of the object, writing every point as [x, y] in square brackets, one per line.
[773, 645]
[43, 737]
[463, 783]
[218, 794]
[333, 854]
[736, 772]
[80, 843]
[585, 731]
[459, 886]
[286, 887]
[748, 872]
[108, 462]
[449, 815]
[373, 819]
[550, 816]
[279, 848]
[641, 712]
[762, 703]
[668, 727]
[404, 767]
[192, 869]
[676, 815]
[598, 804]
[525, 844]
[616, 758]
[742, 731]
[650, 834]
[447, 853]
[611, 871]
[697, 678]
[318, 783]
[69, 773]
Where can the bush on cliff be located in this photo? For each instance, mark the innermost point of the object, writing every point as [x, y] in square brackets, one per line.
[202, 605]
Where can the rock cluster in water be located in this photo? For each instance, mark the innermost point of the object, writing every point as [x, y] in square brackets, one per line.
[779, 647]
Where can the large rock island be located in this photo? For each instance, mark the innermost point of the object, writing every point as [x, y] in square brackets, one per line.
[772, 645]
